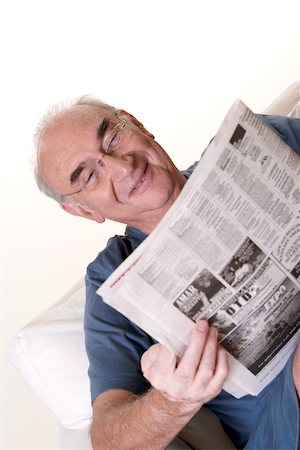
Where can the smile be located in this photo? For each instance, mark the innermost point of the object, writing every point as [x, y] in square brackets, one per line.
[141, 180]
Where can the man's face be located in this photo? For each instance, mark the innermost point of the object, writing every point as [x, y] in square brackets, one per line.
[115, 170]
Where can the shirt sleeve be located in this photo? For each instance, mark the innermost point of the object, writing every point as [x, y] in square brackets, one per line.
[114, 344]
[288, 128]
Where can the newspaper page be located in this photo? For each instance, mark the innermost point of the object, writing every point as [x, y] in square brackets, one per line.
[228, 251]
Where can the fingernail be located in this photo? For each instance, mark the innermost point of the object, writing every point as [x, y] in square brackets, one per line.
[202, 325]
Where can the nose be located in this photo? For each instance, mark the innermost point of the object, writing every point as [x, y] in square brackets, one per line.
[118, 168]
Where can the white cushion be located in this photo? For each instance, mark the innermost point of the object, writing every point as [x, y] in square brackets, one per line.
[286, 103]
[49, 353]
[295, 111]
[78, 439]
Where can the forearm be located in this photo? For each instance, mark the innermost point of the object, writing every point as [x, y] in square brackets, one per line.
[124, 421]
[149, 422]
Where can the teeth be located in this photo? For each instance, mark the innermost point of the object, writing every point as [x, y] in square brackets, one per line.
[138, 185]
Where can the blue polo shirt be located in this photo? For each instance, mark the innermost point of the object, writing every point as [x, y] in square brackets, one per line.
[115, 345]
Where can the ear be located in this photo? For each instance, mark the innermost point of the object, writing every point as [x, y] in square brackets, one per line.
[136, 122]
[80, 211]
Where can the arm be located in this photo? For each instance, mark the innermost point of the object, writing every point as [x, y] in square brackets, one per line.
[122, 420]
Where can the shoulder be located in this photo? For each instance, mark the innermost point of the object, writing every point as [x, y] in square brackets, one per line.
[288, 128]
[118, 248]
[116, 251]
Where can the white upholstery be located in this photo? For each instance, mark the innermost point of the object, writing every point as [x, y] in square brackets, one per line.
[288, 103]
[75, 439]
[49, 351]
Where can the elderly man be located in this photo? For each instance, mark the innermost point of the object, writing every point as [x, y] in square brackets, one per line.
[99, 162]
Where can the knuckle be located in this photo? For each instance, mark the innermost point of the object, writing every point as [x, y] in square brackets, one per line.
[213, 390]
[223, 372]
[207, 374]
[182, 376]
[216, 390]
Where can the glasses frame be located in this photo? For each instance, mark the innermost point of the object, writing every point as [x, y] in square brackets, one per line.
[121, 124]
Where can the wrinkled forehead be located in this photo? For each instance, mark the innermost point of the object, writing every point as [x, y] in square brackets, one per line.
[67, 137]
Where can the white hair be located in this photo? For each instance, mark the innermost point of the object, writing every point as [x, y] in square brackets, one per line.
[48, 117]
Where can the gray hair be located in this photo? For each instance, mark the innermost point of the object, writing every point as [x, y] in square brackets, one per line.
[48, 117]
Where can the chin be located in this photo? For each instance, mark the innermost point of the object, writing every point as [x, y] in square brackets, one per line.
[163, 201]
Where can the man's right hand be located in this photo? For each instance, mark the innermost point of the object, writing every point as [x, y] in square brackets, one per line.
[123, 420]
[194, 379]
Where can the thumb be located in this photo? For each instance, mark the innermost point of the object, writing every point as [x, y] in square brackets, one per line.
[149, 357]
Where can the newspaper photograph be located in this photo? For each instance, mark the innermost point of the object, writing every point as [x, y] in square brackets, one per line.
[228, 251]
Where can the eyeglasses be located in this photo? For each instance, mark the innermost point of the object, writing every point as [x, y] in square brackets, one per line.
[91, 173]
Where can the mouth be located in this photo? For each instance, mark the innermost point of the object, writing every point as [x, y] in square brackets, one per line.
[140, 180]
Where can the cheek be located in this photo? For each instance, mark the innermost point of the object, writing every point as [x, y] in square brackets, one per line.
[99, 201]
[148, 145]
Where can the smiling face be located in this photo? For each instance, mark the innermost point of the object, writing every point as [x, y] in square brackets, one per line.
[113, 168]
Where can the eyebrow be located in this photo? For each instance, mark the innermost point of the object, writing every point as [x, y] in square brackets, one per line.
[102, 128]
[76, 173]
[100, 134]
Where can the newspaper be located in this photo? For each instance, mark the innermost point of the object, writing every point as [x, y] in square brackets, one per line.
[228, 251]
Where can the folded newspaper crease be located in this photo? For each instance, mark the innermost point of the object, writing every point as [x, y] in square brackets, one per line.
[228, 251]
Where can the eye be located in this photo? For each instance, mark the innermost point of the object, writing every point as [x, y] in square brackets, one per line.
[91, 177]
[111, 142]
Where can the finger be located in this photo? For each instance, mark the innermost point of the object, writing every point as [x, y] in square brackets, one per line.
[208, 360]
[296, 369]
[221, 372]
[189, 362]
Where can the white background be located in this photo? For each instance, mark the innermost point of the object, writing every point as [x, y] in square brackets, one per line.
[177, 66]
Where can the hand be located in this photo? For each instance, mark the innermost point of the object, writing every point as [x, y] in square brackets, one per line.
[194, 379]
[296, 369]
